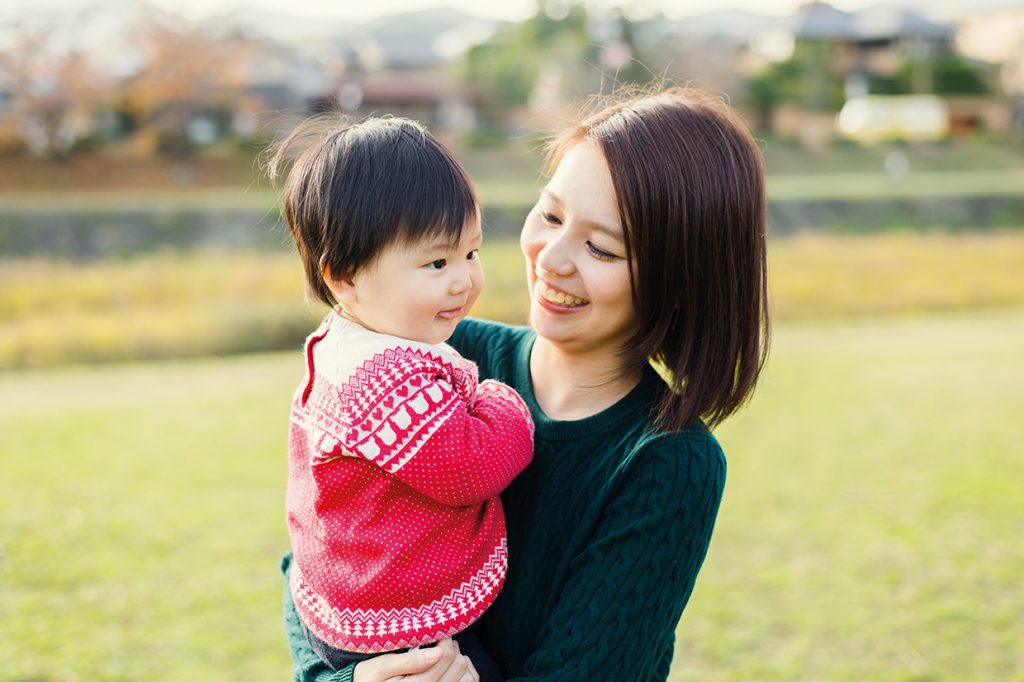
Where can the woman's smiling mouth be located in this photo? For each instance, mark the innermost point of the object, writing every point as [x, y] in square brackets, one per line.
[558, 297]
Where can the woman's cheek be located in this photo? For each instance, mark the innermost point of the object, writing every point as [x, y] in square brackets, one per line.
[610, 283]
[528, 238]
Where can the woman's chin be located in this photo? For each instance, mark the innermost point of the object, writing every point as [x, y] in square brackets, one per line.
[552, 327]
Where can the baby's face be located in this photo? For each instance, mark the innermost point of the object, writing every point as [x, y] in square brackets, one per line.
[419, 291]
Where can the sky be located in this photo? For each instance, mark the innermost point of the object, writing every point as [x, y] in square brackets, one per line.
[491, 9]
[355, 10]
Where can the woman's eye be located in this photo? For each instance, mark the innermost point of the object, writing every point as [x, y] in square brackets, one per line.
[473, 255]
[600, 254]
[550, 218]
[438, 264]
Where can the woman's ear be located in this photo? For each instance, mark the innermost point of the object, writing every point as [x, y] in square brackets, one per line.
[343, 286]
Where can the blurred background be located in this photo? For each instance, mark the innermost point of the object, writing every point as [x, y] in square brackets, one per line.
[152, 311]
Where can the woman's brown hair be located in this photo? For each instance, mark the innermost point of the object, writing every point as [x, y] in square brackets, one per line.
[689, 181]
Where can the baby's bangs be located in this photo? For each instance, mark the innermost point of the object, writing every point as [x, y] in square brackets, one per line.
[438, 201]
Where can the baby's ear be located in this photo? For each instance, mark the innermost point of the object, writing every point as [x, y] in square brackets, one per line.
[341, 285]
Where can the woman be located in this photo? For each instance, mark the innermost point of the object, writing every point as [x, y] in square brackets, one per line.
[647, 244]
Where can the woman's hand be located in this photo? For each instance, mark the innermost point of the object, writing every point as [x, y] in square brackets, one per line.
[440, 663]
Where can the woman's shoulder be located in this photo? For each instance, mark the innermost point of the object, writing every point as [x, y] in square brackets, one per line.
[691, 460]
[695, 441]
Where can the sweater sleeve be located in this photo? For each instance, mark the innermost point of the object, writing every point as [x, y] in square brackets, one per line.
[306, 665]
[425, 420]
[627, 589]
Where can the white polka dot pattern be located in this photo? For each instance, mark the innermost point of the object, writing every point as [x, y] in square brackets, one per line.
[396, 458]
[378, 630]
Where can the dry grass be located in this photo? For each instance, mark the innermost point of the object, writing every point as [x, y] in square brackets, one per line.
[179, 305]
[816, 275]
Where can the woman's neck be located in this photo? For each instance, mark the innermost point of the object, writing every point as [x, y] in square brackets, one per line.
[570, 386]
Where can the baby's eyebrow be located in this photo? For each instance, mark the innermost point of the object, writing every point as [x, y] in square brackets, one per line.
[438, 243]
[444, 243]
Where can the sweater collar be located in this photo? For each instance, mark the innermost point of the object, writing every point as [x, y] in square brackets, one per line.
[642, 397]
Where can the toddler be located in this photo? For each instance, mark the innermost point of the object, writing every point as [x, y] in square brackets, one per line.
[396, 454]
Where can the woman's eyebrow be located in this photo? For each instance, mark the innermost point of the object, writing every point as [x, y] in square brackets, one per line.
[551, 195]
[613, 232]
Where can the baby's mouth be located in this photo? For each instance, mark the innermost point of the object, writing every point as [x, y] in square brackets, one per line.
[451, 313]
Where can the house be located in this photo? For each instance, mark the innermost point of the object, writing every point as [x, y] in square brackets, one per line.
[873, 43]
[445, 106]
[402, 67]
[996, 36]
[882, 49]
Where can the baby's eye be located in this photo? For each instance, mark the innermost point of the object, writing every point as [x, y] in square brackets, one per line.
[473, 255]
[438, 264]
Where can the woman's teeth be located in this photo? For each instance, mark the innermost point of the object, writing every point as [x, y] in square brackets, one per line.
[560, 297]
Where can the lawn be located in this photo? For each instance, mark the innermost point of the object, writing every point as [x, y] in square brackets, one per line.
[874, 509]
[870, 529]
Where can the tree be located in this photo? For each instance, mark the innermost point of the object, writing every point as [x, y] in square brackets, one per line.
[807, 79]
[508, 64]
[586, 53]
[187, 72]
[49, 83]
[951, 75]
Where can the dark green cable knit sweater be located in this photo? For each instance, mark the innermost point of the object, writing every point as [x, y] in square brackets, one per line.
[607, 529]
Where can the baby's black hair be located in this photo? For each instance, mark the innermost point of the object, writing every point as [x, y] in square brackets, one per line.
[354, 189]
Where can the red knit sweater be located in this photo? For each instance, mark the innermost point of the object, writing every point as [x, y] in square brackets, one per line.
[396, 459]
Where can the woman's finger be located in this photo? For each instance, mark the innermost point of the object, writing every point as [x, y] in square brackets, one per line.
[461, 670]
[389, 666]
[457, 671]
[447, 653]
[471, 675]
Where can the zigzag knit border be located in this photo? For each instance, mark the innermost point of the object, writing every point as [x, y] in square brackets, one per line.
[378, 630]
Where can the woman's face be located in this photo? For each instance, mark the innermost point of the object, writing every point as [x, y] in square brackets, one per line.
[575, 252]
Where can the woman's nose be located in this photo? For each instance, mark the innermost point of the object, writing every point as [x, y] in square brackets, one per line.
[554, 258]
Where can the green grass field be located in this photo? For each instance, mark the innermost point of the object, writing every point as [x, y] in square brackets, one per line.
[870, 530]
[871, 524]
